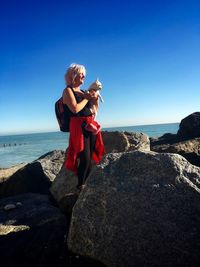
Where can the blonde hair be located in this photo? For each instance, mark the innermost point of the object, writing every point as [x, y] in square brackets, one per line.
[72, 72]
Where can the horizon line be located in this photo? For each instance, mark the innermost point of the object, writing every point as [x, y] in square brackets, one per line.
[54, 131]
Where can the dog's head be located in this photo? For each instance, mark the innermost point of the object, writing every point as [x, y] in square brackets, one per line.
[97, 85]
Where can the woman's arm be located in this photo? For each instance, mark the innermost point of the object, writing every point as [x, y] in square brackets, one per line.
[70, 101]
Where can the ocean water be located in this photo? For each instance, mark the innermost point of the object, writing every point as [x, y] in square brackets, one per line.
[15, 149]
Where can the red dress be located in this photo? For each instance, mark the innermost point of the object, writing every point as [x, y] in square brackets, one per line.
[76, 143]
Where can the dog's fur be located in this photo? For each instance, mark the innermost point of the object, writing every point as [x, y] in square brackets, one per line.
[94, 89]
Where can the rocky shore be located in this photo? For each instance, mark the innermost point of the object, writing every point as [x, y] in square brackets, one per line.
[186, 142]
[140, 207]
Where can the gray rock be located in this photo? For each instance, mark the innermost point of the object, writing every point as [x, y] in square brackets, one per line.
[5, 173]
[186, 142]
[125, 141]
[63, 189]
[167, 138]
[139, 209]
[52, 162]
[9, 206]
[190, 126]
[35, 177]
[189, 149]
[32, 234]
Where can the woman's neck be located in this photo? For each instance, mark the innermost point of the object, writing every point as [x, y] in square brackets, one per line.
[76, 88]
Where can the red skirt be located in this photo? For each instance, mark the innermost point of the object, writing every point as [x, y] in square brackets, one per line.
[76, 143]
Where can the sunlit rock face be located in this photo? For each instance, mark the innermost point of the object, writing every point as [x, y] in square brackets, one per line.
[139, 209]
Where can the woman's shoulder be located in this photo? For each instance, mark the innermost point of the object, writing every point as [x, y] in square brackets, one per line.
[66, 92]
[67, 89]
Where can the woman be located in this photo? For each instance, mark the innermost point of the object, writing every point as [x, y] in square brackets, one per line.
[84, 146]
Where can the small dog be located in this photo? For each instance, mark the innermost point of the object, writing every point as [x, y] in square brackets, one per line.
[93, 90]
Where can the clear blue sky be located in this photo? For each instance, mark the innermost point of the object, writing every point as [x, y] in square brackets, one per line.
[146, 53]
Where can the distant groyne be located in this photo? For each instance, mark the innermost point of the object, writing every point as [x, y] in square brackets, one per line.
[12, 144]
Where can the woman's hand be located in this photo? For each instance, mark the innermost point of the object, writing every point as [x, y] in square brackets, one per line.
[87, 96]
[91, 96]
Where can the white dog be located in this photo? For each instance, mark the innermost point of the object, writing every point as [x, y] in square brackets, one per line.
[94, 90]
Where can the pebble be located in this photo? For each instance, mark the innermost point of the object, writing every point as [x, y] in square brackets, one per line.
[9, 207]
[12, 206]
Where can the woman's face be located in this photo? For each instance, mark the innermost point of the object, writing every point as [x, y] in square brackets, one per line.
[80, 77]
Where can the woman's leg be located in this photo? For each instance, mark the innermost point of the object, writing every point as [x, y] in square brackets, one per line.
[84, 160]
[85, 163]
[92, 145]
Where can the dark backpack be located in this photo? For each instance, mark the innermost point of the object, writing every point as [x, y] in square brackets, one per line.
[63, 115]
[62, 119]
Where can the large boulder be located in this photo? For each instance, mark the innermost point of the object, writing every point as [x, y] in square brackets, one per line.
[5, 173]
[190, 126]
[125, 141]
[167, 138]
[189, 149]
[186, 142]
[64, 185]
[139, 209]
[51, 163]
[35, 177]
[32, 231]
[63, 189]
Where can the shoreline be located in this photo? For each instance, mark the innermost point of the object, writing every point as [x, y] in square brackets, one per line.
[16, 149]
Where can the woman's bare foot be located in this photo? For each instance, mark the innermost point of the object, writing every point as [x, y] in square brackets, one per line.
[81, 187]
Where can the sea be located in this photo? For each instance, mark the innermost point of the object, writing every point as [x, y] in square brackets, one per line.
[24, 148]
